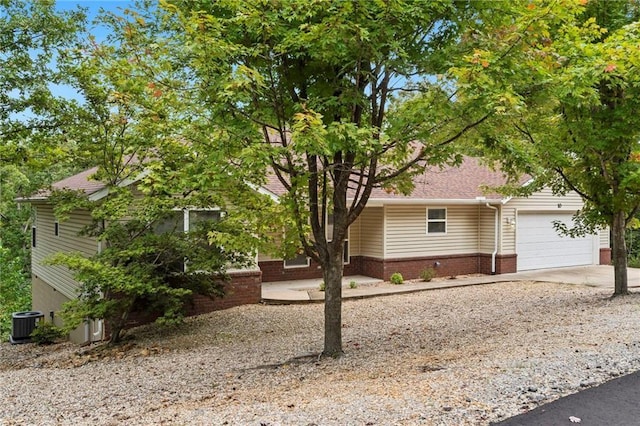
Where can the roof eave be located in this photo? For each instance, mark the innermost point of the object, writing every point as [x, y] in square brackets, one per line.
[379, 202]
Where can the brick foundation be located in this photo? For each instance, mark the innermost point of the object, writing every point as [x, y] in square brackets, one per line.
[244, 288]
[605, 256]
[444, 266]
[274, 270]
[410, 268]
[505, 264]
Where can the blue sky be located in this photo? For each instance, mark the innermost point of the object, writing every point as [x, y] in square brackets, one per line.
[93, 7]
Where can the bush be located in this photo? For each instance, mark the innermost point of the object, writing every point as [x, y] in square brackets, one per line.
[15, 290]
[634, 262]
[397, 279]
[46, 333]
[428, 274]
[321, 286]
[353, 284]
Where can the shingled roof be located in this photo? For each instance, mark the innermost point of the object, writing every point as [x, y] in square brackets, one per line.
[80, 182]
[467, 181]
[464, 182]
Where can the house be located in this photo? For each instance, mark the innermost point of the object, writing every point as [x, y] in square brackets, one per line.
[448, 223]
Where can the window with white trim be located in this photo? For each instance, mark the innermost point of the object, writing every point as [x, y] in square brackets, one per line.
[186, 220]
[300, 261]
[436, 221]
[345, 250]
[33, 228]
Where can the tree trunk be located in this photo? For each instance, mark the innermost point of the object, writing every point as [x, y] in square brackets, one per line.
[332, 273]
[619, 254]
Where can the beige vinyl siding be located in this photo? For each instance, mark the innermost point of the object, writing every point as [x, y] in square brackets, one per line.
[542, 201]
[508, 238]
[354, 238]
[545, 200]
[486, 231]
[605, 241]
[68, 240]
[372, 232]
[354, 243]
[407, 235]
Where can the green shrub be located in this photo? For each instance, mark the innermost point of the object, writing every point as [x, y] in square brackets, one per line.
[46, 333]
[634, 262]
[15, 290]
[353, 284]
[397, 279]
[428, 274]
[321, 286]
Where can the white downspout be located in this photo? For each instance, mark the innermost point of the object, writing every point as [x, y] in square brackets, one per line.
[495, 238]
[98, 335]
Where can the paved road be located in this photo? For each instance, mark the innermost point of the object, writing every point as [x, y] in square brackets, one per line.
[614, 403]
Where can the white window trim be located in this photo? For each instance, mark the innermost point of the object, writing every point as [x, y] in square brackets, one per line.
[185, 222]
[284, 263]
[187, 214]
[445, 221]
[346, 240]
[347, 252]
[34, 226]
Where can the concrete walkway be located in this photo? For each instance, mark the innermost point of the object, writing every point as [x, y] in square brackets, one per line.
[306, 291]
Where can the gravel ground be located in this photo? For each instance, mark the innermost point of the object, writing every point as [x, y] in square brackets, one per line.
[464, 356]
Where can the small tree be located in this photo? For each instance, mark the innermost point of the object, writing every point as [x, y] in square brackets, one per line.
[154, 164]
[146, 271]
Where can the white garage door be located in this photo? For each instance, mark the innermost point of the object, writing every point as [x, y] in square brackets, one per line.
[540, 246]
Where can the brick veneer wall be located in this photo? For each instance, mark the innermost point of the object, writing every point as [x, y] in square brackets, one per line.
[410, 268]
[372, 267]
[274, 270]
[605, 256]
[244, 288]
[504, 264]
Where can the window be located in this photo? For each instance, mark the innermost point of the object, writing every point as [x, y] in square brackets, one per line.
[345, 253]
[56, 229]
[186, 220]
[300, 261]
[33, 236]
[329, 233]
[436, 221]
[198, 216]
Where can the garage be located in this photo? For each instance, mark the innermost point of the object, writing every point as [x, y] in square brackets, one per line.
[539, 246]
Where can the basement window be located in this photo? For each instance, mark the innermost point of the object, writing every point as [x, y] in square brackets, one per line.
[437, 221]
[300, 261]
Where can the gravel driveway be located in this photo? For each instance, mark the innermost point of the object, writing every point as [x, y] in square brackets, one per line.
[447, 357]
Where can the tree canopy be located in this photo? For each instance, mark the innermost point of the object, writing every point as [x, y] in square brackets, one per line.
[575, 127]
